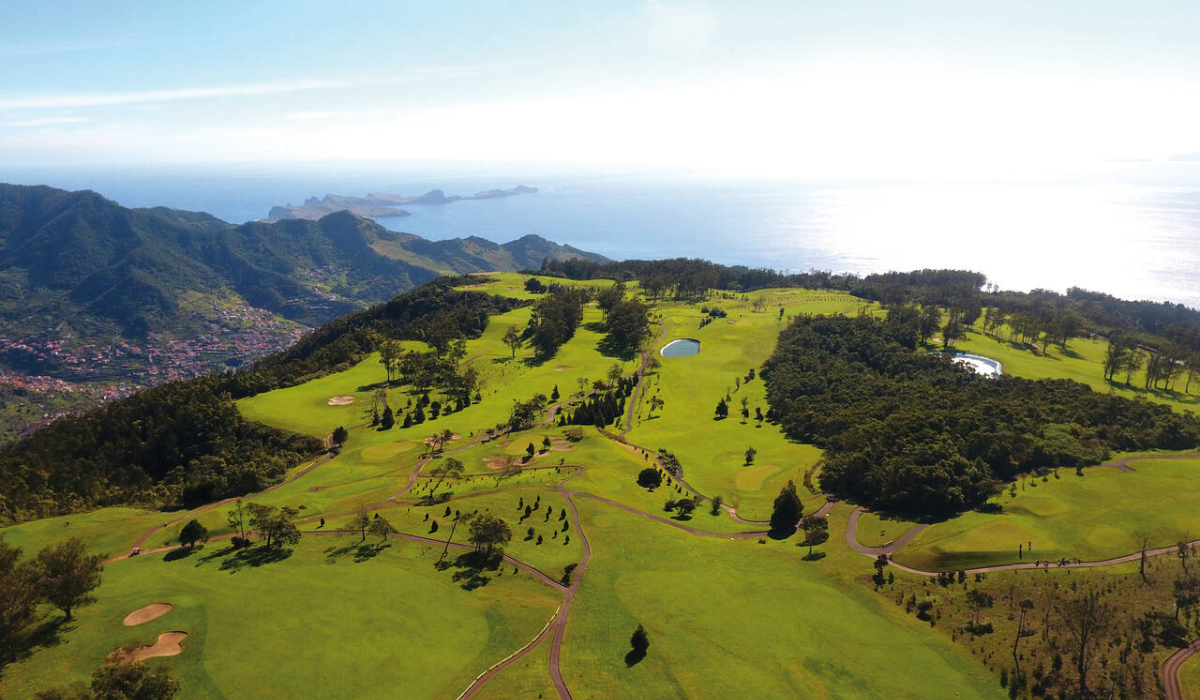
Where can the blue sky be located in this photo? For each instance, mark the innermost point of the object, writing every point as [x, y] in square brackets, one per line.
[790, 88]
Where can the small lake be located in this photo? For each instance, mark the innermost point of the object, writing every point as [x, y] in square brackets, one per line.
[681, 348]
[982, 365]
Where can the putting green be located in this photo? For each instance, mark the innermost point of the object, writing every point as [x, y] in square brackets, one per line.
[377, 453]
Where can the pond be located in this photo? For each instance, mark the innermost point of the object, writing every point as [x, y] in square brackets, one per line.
[681, 348]
[982, 365]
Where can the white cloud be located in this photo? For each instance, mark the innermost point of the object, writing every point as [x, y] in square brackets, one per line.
[45, 121]
[824, 121]
[52, 47]
[100, 99]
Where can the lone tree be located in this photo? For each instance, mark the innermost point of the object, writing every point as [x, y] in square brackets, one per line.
[450, 468]
[340, 435]
[722, 411]
[684, 507]
[1086, 616]
[360, 521]
[381, 528]
[388, 420]
[649, 478]
[512, 338]
[236, 518]
[489, 534]
[192, 533]
[978, 600]
[787, 511]
[816, 531]
[750, 453]
[67, 575]
[639, 644]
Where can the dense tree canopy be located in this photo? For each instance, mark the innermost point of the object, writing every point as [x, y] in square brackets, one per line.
[912, 431]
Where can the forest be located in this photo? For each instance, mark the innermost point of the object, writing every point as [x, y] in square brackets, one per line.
[911, 432]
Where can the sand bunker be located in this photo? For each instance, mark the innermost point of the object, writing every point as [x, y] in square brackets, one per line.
[146, 614]
[341, 400]
[168, 644]
[562, 368]
[496, 462]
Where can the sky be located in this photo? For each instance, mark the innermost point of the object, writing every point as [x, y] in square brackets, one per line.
[854, 88]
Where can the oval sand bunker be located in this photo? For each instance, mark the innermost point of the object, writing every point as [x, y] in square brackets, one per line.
[341, 400]
[146, 614]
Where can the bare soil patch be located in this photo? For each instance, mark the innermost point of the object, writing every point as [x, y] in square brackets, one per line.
[341, 400]
[168, 644]
[146, 614]
[429, 440]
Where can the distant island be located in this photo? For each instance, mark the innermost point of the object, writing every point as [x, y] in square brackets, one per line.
[379, 203]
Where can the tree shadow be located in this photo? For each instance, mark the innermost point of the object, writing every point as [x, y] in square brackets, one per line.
[472, 567]
[362, 551]
[49, 633]
[535, 361]
[781, 533]
[179, 553]
[608, 348]
[254, 558]
[633, 657]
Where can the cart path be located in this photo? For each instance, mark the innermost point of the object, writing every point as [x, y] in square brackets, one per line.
[516, 656]
[1170, 670]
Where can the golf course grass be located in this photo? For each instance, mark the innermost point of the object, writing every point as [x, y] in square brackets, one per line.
[1069, 517]
[729, 611]
[742, 619]
[1083, 361]
[326, 624]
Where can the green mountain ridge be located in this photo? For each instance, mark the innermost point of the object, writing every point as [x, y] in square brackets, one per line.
[88, 256]
[94, 292]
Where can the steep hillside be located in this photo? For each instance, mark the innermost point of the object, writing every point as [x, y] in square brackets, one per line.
[94, 292]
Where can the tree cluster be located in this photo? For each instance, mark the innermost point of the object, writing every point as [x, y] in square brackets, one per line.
[554, 319]
[914, 432]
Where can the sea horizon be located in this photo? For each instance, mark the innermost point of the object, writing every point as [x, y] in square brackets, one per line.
[1133, 231]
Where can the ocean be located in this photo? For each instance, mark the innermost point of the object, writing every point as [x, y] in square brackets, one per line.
[1134, 232]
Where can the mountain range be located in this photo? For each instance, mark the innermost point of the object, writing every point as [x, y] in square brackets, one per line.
[94, 291]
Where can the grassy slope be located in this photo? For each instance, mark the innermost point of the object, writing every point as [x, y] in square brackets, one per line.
[1090, 517]
[106, 531]
[323, 627]
[740, 619]
[1189, 678]
[1083, 362]
[712, 452]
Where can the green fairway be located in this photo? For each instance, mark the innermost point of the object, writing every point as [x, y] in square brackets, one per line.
[1092, 517]
[1083, 362]
[712, 452]
[740, 619]
[325, 624]
[877, 531]
[110, 531]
